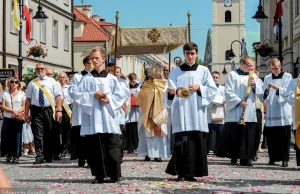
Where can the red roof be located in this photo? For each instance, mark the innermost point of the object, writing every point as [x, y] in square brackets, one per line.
[103, 23]
[92, 32]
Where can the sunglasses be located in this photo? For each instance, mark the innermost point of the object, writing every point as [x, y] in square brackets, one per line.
[14, 82]
[40, 69]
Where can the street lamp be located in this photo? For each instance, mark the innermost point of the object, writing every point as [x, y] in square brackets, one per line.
[224, 72]
[260, 14]
[40, 17]
[231, 54]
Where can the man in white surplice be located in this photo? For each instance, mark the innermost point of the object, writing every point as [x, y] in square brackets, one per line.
[126, 94]
[152, 128]
[238, 140]
[100, 98]
[190, 90]
[290, 97]
[278, 115]
[78, 144]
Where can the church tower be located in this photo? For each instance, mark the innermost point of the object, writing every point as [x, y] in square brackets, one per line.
[228, 25]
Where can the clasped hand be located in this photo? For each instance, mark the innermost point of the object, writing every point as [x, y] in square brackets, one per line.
[274, 86]
[103, 99]
[194, 87]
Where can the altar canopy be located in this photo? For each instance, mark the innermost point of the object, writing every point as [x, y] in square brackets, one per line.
[150, 40]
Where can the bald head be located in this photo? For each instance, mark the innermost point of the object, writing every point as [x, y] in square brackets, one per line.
[62, 78]
[49, 72]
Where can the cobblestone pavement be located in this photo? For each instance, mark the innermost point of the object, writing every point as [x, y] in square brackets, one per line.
[149, 177]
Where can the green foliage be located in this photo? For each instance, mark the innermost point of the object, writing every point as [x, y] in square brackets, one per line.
[28, 77]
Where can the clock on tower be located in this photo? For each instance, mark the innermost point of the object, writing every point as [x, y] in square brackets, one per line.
[227, 3]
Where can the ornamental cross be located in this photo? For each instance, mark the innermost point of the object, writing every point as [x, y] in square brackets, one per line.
[154, 35]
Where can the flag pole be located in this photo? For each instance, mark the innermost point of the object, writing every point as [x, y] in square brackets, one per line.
[20, 58]
[116, 42]
[170, 56]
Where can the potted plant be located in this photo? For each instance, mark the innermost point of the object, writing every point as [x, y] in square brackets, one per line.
[37, 51]
[263, 50]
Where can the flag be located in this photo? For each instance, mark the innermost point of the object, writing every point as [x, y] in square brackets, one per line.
[279, 11]
[143, 72]
[244, 49]
[26, 14]
[16, 14]
[276, 29]
[278, 14]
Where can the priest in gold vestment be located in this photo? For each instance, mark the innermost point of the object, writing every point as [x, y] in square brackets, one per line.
[152, 128]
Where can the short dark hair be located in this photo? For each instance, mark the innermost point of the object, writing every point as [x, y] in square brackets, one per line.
[189, 46]
[132, 76]
[86, 59]
[215, 72]
[110, 64]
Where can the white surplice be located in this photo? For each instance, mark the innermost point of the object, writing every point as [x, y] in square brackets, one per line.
[279, 111]
[76, 110]
[218, 101]
[235, 90]
[290, 97]
[151, 145]
[97, 117]
[190, 114]
[126, 94]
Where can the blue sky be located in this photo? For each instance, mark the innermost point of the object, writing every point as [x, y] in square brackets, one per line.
[142, 13]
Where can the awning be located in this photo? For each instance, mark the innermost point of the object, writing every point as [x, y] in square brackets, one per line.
[151, 40]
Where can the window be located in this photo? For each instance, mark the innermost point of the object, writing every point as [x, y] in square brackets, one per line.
[226, 55]
[43, 32]
[55, 34]
[12, 27]
[31, 20]
[66, 37]
[228, 16]
[66, 2]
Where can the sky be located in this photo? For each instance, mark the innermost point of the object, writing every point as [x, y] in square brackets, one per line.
[145, 13]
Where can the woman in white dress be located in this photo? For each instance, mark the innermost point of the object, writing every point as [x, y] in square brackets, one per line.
[13, 103]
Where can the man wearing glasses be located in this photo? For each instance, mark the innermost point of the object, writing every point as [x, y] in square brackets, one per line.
[41, 97]
[278, 114]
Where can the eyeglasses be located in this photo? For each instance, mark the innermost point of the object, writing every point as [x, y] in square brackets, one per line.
[14, 82]
[49, 74]
[40, 69]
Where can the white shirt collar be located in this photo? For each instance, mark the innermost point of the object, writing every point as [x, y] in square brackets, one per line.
[191, 64]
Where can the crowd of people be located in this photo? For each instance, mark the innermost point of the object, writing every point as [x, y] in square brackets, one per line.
[99, 115]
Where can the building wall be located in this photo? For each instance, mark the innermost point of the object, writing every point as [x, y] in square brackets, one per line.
[224, 33]
[268, 36]
[82, 50]
[1, 30]
[59, 58]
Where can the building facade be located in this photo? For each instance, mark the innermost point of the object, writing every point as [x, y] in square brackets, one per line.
[296, 36]
[228, 25]
[288, 39]
[54, 34]
[92, 30]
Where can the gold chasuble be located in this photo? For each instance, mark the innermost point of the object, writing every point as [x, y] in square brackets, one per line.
[297, 112]
[150, 100]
